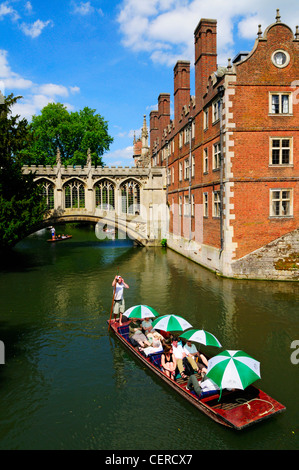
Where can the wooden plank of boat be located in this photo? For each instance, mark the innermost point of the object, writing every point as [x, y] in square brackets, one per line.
[59, 239]
[236, 409]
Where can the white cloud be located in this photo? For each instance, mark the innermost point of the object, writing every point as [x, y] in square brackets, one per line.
[83, 8]
[28, 8]
[35, 29]
[74, 89]
[37, 95]
[119, 157]
[7, 10]
[164, 28]
[52, 90]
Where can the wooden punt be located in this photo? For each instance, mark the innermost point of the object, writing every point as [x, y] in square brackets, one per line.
[59, 239]
[236, 409]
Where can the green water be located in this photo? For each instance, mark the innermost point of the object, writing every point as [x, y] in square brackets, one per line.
[69, 384]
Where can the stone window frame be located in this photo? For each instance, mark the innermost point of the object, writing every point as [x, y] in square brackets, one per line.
[104, 191]
[280, 149]
[205, 198]
[76, 198]
[205, 160]
[216, 156]
[283, 203]
[216, 204]
[280, 95]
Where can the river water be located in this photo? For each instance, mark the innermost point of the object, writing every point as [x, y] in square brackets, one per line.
[67, 383]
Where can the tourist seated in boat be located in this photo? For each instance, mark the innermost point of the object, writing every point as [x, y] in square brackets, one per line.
[200, 359]
[168, 362]
[135, 333]
[147, 326]
[154, 348]
[149, 331]
[180, 354]
[201, 386]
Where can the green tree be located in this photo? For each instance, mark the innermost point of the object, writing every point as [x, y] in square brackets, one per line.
[73, 133]
[22, 204]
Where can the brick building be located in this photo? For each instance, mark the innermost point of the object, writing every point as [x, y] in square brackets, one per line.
[231, 154]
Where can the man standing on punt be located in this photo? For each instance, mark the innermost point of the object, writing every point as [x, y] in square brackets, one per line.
[119, 301]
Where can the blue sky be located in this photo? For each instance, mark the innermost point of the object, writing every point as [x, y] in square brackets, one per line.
[116, 56]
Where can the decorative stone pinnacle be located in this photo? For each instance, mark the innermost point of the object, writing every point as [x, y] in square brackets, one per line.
[229, 64]
[259, 33]
[278, 16]
[297, 33]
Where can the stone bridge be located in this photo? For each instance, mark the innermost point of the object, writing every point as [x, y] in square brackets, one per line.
[130, 199]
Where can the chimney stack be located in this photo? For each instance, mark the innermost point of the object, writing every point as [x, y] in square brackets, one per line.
[205, 38]
[181, 88]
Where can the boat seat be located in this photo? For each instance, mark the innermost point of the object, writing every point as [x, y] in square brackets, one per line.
[124, 331]
[155, 359]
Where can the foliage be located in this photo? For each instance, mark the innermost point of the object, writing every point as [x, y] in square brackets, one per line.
[22, 203]
[164, 242]
[73, 133]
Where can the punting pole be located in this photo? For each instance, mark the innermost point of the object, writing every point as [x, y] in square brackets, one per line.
[112, 306]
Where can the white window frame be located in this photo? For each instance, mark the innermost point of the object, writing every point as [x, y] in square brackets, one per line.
[280, 103]
[180, 205]
[280, 150]
[180, 171]
[280, 201]
[205, 204]
[216, 156]
[205, 160]
[186, 168]
[216, 204]
[186, 206]
[216, 111]
[181, 139]
[205, 119]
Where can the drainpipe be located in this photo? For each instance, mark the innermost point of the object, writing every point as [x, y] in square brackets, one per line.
[221, 91]
[190, 119]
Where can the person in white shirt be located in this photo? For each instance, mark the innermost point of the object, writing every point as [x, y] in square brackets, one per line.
[179, 354]
[202, 360]
[119, 301]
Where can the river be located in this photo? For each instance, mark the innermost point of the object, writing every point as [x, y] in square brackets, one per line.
[67, 383]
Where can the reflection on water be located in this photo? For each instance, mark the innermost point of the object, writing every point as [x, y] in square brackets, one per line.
[69, 384]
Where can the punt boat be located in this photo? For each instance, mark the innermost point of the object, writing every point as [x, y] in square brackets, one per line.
[59, 239]
[236, 409]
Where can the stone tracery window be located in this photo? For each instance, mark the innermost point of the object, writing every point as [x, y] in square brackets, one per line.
[48, 192]
[74, 195]
[105, 195]
[130, 196]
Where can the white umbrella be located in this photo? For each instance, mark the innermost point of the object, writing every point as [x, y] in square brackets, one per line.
[233, 369]
[140, 311]
[171, 323]
[202, 337]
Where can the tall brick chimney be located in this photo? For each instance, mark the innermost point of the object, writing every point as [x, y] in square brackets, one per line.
[205, 38]
[163, 113]
[154, 128]
[181, 87]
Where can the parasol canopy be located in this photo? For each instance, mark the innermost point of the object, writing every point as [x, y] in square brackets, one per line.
[171, 323]
[201, 336]
[233, 369]
[141, 312]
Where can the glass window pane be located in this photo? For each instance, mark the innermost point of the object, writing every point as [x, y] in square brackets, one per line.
[285, 104]
[275, 104]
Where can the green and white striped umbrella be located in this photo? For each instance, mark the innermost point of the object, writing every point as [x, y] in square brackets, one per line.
[171, 323]
[201, 336]
[233, 369]
[140, 311]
